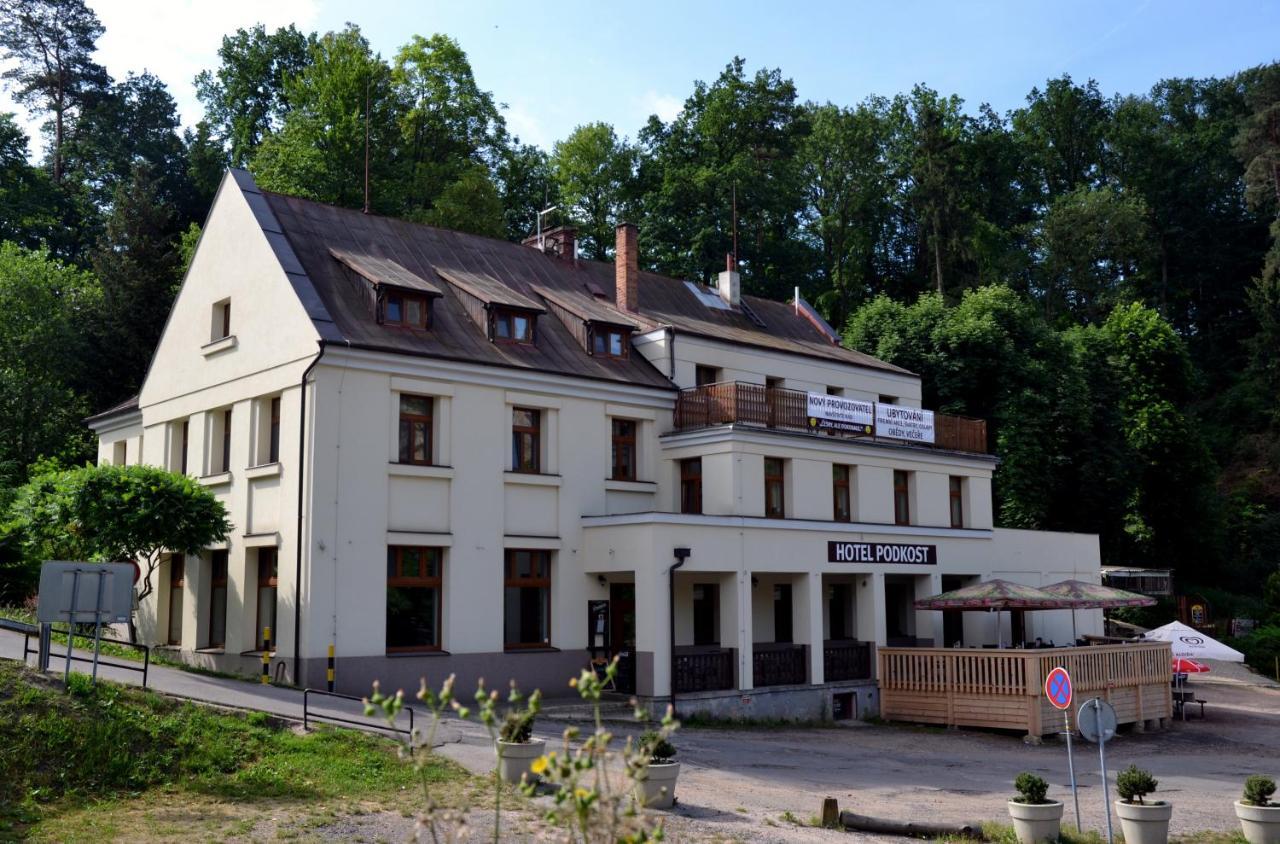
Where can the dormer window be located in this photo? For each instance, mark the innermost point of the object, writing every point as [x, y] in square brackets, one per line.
[511, 326]
[408, 309]
[608, 341]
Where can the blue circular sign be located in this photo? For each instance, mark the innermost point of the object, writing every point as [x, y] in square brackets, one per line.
[1057, 688]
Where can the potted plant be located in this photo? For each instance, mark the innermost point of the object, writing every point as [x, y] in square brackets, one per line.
[1259, 815]
[656, 777]
[517, 748]
[1035, 817]
[1142, 822]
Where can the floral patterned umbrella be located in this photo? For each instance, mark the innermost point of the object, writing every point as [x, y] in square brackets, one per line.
[1089, 596]
[995, 595]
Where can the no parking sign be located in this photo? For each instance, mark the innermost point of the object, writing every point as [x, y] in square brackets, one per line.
[1057, 688]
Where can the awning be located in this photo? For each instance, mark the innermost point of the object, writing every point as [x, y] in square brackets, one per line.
[1088, 596]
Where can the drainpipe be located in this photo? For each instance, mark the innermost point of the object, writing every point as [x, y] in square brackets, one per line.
[297, 575]
[682, 554]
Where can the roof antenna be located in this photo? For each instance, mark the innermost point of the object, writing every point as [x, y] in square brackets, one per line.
[366, 144]
[735, 225]
[544, 212]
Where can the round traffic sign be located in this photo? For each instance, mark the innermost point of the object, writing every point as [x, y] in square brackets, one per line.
[1057, 688]
[1096, 720]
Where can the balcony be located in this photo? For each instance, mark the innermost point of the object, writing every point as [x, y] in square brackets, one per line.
[778, 664]
[777, 408]
[846, 659]
[703, 669]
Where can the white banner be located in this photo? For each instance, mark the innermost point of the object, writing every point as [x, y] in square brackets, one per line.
[837, 413]
[904, 423]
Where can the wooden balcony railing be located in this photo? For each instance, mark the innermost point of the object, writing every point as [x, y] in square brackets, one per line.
[846, 659]
[740, 403]
[778, 665]
[703, 669]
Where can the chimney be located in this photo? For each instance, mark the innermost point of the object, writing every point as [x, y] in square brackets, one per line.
[730, 283]
[560, 241]
[626, 268]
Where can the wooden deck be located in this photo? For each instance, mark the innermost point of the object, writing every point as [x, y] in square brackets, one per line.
[1004, 689]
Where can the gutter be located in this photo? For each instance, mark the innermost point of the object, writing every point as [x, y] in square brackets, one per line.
[681, 554]
[302, 457]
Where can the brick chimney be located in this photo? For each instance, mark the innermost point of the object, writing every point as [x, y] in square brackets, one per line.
[560, 241]
[626, 268]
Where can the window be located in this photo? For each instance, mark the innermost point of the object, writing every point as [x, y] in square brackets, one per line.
[840, 493]
[775, 503]
[177, 579]
[624, 450]
[527, 599]
[186, 442]
[221, 320]
[835, 391]
[887, 399]
[706, 621]
[407, 309]
[219, 443]
[119, 453]
[512, 326]
[704, 375]
[782, 613]
[691, 485]
[415, 429]
[901, 498]
[526, 435]
[273, 437]
[413, 599]
[268, 577]
[217, 599]
[609, 342]
[957, 501]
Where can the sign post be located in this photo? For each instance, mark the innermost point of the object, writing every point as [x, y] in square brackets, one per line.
[1058, 689]
[1097, 720]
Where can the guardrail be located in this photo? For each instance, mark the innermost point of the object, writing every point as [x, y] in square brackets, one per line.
[30, 630]
[308, 716]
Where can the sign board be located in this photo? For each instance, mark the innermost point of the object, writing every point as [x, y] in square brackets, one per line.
[1057, 688]
[904, 423]
[882, 552]
[1097, 720]
[837, 413]
[58, 580]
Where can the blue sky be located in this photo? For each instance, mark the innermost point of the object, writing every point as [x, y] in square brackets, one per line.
[557, 65]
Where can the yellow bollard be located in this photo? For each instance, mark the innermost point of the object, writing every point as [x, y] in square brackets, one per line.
[329, 669]
[266, 655]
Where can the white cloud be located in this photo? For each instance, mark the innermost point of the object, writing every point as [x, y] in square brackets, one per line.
[663, 105]
[522, 123]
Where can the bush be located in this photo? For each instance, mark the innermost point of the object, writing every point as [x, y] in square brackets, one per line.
[1031, 789]
[516, 728]
[1133, 784]
[1258, 790]
[1260, 648]
[660, 750]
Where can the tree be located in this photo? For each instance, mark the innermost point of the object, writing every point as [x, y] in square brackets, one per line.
[470, 204]
[29, 207]
[116, 514]
[1062, 131]
[527, 187]
[246, 98]
[44, 308]
[446, 121]
[51, 43]
[594, 171]
[138, 265]
[319, 152]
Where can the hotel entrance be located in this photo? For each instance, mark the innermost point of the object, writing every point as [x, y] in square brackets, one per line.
[622, 634]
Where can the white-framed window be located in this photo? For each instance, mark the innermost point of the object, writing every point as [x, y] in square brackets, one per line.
[267, 430]
[220, 320]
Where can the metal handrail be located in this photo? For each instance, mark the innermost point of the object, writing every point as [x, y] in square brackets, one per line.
[307, 717]
[146, 651]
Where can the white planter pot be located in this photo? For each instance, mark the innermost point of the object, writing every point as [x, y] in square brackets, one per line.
[1036, 822]
[1144, 823]
[656, 787]
[514, 759]
[1260, 824]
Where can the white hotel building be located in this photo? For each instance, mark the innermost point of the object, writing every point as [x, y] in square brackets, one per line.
[444, 453]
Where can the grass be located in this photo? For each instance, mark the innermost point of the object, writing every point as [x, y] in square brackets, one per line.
[114, 762]
[1002, 833]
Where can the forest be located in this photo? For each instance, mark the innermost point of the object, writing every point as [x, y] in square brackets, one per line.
[1096, 274]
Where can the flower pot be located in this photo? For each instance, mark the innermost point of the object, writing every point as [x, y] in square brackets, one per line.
[1144, 823]
[1260, 824]
[514, 758]
[656, 786]
[1035, 822]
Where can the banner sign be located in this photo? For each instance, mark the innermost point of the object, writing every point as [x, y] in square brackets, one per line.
[837, 413]
[882, 552]
[904, 423]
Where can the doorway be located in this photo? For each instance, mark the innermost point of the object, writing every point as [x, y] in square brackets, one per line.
[622, 634]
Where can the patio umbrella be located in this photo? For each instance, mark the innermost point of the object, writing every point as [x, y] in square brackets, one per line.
[1093, 596]
[994, 595]
[1192, 644]
[1182, 665]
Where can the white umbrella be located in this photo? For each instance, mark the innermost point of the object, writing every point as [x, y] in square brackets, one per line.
[1192, 644]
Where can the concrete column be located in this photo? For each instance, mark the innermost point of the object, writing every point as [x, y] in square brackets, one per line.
[653, 632]
[744, 641]
[871, 620]
[808, 620]
[929, 622]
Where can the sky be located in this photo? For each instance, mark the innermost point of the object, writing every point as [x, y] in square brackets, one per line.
[555, 66]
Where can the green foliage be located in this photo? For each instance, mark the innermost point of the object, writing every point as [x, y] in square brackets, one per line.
[1261, 648]
[1133, 784]
[116, 513]
[1258, 790]
[661, 751]
[1031, 789]
[470, 204]
[593, 170]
